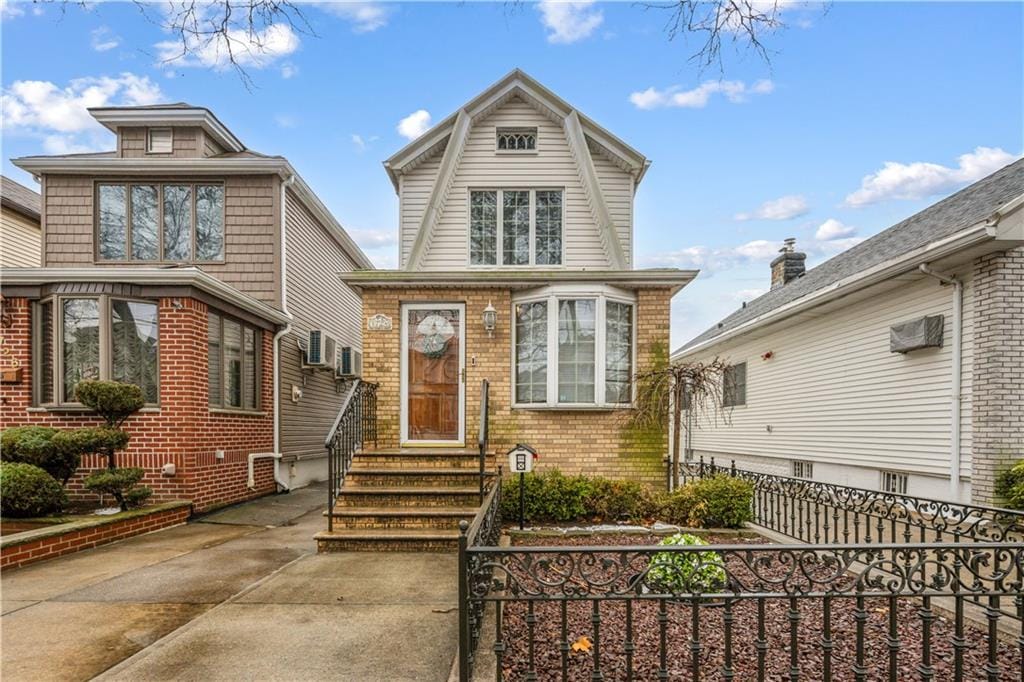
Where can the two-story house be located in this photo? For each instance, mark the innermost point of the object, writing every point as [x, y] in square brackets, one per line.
[194, 267]
[516, 266]
[20, 232]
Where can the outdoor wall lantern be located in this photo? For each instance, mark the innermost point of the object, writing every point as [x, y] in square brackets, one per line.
[490, 319]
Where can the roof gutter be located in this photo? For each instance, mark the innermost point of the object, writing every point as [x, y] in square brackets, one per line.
[972, 236]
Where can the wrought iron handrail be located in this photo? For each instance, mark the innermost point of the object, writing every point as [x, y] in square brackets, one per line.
[820, 512]
[484, 431]
[483, 531]
[355, 425]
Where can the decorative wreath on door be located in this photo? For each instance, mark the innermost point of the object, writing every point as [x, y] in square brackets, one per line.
[433, 334]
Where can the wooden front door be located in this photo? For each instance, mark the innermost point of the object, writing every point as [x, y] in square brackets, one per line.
[432, 358]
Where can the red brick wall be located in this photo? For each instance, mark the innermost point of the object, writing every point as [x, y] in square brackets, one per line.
[32, 551]
[182, 431]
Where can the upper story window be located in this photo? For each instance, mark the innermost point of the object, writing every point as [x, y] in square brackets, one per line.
[94, 337]
[517, 139]
[515, 227]
[734, 385]
[160, 222]
[159, 140]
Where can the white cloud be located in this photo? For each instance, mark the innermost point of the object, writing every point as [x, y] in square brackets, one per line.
[362, 143]
[759, 251]
[568, 22]
[10, 10]
[922, 179]
[374, 239]
[365, 17]
[59, 117]
[832, 229]
[104, 39]
[742, 295]
[698, 98]
[285, 121]
[415, 124]
[255, 49]
[289, 70]
[783, 208]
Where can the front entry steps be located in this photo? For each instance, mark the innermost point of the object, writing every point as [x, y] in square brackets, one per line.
[405, 500]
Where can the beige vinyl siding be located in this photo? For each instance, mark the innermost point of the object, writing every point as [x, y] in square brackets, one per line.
[481, 166]
[251, 215]
[416, 187]
[20, 240]
[210, 146]
[187, 142]
[617, 186]
[316, 300]
[834, 393]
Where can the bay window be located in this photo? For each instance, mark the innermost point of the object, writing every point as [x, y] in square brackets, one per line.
[518, 227]
[574, 348]
[162, 222]
[233, 363]
[79, 338]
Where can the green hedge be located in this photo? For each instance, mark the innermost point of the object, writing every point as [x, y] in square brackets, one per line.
[553, 497]
[40, 446]
[1010, 486]
[28, 491]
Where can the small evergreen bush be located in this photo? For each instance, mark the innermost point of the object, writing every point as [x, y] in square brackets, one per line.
[717, 502]
[26, 491]
[122, 484]
[40, 446]
[111, 400]
[1010, 486]
[685, 572]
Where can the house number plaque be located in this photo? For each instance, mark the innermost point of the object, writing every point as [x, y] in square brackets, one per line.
[378, 323]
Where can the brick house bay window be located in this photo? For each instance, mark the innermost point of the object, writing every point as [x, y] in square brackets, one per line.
[574, 347]
[233, 364]
[78, 338]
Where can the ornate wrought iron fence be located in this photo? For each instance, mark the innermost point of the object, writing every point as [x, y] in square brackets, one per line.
[484, 434]
[353, 428]
[484, 531]
[744, 611]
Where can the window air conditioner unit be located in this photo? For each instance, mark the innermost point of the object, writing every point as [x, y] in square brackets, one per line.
[350, 363]
[320, 349]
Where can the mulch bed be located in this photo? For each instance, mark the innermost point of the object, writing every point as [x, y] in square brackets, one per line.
[548, 635]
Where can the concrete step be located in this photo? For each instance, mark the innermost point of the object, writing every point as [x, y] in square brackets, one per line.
[433, 478]
[407, 540]
[352, 495]
[399, 518]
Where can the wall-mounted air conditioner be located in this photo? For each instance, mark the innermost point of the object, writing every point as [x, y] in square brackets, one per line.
[350, 363]
[320, 349]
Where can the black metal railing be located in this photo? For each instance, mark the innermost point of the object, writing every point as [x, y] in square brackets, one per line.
[750, 611]
[826, 513]
[353, 428]
[484, 432]
[484, 531]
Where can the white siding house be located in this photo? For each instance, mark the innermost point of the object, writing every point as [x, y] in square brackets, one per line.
[823, 385]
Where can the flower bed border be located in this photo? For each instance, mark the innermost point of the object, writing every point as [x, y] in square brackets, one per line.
[28, 547]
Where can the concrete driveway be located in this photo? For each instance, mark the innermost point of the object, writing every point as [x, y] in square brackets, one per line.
[240, 595]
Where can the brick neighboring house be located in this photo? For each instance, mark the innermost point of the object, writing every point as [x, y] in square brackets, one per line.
[193, 267]
[817, 389]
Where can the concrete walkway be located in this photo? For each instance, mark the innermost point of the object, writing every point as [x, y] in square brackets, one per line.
[239, 595]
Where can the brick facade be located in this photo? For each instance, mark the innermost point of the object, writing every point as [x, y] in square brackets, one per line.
[998, 394]
[182, 431]
[598, 442]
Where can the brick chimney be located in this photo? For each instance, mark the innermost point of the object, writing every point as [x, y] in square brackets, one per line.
[788, 265]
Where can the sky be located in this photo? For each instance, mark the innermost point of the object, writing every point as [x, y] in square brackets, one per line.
[864, 114]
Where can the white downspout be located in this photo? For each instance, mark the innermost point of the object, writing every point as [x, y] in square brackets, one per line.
[956, 378]
[285, 184]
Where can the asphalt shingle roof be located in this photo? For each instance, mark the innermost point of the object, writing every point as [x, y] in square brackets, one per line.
[967, 207]
[20, 198]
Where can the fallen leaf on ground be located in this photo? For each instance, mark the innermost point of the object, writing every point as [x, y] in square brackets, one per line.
[582, 644]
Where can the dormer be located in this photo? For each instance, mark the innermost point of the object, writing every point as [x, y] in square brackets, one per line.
[516, 179]
[167, 131]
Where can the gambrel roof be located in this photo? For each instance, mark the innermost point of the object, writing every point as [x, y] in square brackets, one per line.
[448, 138]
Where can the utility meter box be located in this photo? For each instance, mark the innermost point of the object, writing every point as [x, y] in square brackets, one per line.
[520, 459]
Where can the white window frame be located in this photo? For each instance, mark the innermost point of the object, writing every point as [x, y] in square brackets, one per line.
[552, 295]
[499, 253]
[170, 141]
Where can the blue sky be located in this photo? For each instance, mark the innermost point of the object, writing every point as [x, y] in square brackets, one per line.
[867, 113]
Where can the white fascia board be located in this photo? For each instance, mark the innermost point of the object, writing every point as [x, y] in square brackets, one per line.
[187, 276]
[942, 248]
[519, 279]
[115, 117]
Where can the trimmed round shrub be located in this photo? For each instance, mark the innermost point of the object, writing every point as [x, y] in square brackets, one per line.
[112, 400]
[27, 491]
[1010, 486]
[616, 500]
[685, 572]
[121, 484]
[717, 502]
[40, 446]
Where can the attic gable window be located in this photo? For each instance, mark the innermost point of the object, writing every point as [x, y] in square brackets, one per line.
[159, 140]
[517, 139]
[517, 227]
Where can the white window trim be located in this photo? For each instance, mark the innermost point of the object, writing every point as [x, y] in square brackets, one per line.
[499, 253]
[551, 295]
[149, 140]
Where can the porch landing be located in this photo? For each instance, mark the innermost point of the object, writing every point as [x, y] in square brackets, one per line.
[405, 499]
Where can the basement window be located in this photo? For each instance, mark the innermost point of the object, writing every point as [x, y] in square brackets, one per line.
[517, 139]
[895, 482]
[803, 469]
